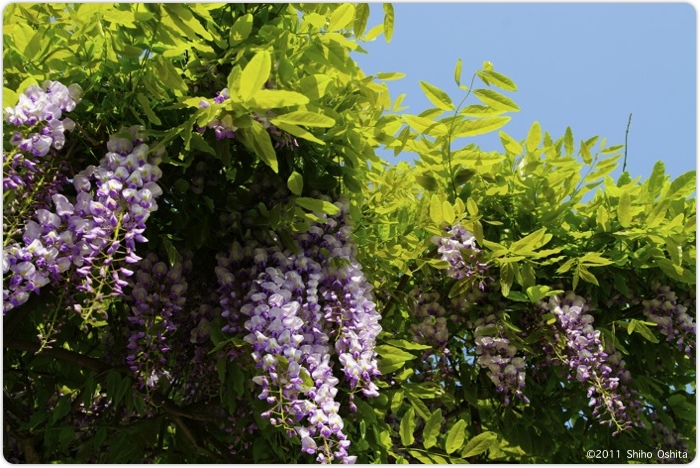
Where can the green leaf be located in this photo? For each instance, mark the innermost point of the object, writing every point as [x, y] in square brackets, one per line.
[479, 444]
[448, 212]
[538, 292]
[506, 278]
[309, 119]
[496, 100]
[458, 72]
[298, 132]
[586, 275]
[419, 406]
[569, 141]
[341, 17]
[643, 330]
[472, 207]
[388, 76]
[361, 16]
[407, 426]
[469, 128]
[455, 436]
[9, 98]
[255, 74]
[534, 137]
[262, 144]
[421, 457]
[428, 182]
[656, 180]
[295, 183]
[427, 126]
[436, 209]
[491, 77]
[407, 344]
[394, 353]
[530, 242]
[510, 144]
[624, 210]
[682, 186]
[146, 107]
[432, 429]
[275, 98]
[241, 29]
[388, 21]
[167, 73]
[317, 206]
[438, 97]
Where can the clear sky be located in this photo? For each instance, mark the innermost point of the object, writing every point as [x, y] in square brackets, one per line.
[587, 66]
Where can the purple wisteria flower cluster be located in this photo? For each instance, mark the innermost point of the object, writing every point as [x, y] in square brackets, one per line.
[158, 293]
[498, 356]
[40, 110]
[669, 441]
[577, 345]
[300, 310]
[432, 328]
[453, 249]
[29, 178]
[667, 311]
[89, 237]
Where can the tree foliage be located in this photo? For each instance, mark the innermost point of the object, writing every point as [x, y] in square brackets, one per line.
[217, 265]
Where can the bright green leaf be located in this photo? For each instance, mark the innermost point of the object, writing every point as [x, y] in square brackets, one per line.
[432, 429]
[438, 97]
[275, 98]
[317, 206]
[496, 100]
[479, 444]
[455, 436]
[241, 29]
[407, 426]
[534, 137]
[255, 74]
[360, 20]
[308, 119]
[436, 209]
[295, 183]
[341, 16]
[388, 21]
[624, 210]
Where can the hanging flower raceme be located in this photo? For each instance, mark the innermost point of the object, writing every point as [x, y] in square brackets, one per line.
[30, 178]
[432, 326]
[157, 294]
[578, 346]
[292, 306]
[39, 111]
[461, 252]
[672, 318]
[88, 238]
[498, 356]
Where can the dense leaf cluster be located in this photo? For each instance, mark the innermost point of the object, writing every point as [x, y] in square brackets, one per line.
[293, 297]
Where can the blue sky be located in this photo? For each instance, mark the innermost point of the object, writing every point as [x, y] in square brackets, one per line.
[587, 66]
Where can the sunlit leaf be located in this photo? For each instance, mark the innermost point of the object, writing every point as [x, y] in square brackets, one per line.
[254, 75]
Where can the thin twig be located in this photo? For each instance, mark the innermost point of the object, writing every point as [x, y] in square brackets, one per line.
[624, 163]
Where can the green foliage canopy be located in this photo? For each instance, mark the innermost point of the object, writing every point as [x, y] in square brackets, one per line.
[267, 131]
